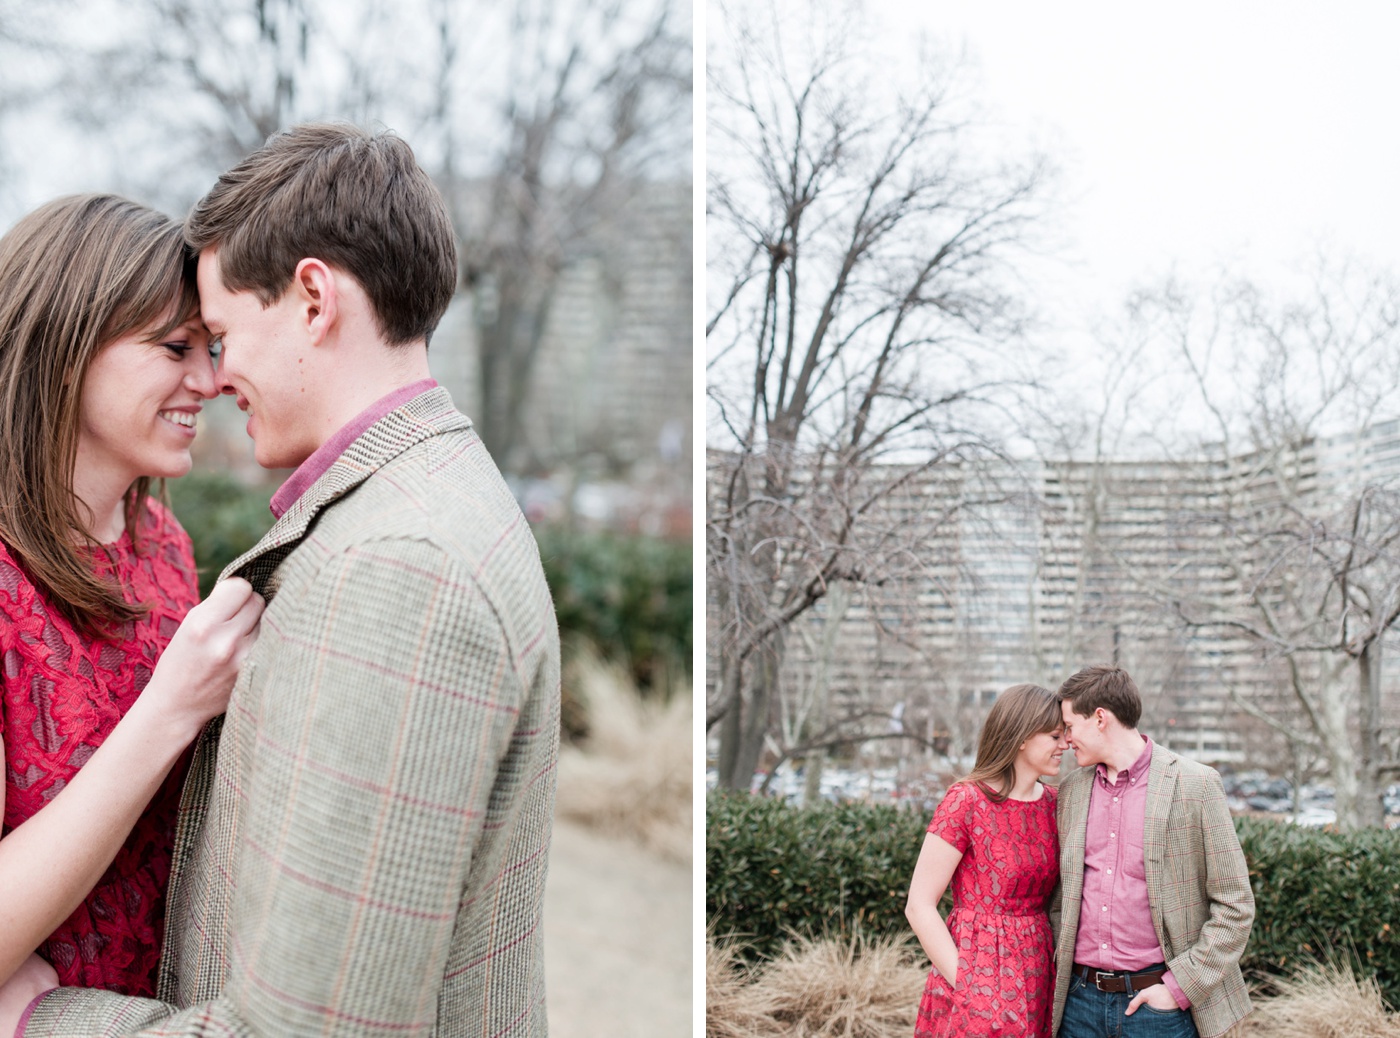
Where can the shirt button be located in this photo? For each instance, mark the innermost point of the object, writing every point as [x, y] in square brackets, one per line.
[1105, 908]
[1110, 872]
[1115, 800]
[1103, 946]
[1113, 836]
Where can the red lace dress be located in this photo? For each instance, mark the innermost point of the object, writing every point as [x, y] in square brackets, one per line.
[62, 694]
[1001, 888]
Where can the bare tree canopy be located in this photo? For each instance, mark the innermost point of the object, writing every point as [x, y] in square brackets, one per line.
[860, 304]
[1297, 546]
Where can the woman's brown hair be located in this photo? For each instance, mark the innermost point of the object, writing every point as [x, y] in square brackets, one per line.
[1019, 712]
[75, 275]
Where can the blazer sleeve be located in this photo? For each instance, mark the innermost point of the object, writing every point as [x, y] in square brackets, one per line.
[1230, 901]
[369, 769]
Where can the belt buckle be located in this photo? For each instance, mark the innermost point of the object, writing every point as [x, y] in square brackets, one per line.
[1100, 976]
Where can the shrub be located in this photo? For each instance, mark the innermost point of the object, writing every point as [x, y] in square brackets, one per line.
[832, 869]
[630, 596]
[223, 517]
[773, 870]
[1318, 893]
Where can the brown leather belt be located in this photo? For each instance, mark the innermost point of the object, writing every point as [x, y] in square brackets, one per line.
[1120, 982]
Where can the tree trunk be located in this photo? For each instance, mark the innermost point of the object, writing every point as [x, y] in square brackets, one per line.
[1341, 754]
[838, 599]
[1369, 810]
[731, 725]
[768, 661]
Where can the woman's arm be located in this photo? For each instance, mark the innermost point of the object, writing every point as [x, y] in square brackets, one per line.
[932, 874]
[50, 862]
[32, 979]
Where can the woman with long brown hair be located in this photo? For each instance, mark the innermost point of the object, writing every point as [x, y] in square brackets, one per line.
[104, 366]
[993, 838]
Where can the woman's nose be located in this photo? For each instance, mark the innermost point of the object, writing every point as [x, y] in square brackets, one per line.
[199, 374]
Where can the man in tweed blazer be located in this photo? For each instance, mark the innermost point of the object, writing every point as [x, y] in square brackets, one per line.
[1155, 902]
[363, 840]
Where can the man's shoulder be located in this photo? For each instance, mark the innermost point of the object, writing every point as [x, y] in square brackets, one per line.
[1194, 780]
[443, 495]
[445, 488]
[1185, 765]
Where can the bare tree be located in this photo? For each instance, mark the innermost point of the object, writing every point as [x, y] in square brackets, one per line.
[598, 94]
[859, 261]
[1300, 550]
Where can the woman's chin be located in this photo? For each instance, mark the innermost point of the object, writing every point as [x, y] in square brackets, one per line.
[172, 468]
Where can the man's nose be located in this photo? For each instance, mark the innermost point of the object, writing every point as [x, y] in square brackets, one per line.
[221, 380]
[200, 376]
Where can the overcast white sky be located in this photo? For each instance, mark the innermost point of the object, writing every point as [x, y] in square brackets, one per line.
[1190, 134]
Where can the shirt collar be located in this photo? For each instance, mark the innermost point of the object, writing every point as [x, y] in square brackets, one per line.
[1138, 769]
[326, 455]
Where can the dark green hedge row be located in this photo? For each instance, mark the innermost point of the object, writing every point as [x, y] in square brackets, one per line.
[1318, 893]
[629, 596]
[771, 869]
[223, 517]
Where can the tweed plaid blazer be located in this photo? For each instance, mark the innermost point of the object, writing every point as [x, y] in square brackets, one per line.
[1197, 885]
[363, 836]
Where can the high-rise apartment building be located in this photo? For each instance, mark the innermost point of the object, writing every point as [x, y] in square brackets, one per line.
[1171, 567]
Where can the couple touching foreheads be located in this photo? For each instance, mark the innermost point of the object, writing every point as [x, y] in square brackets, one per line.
[1116, 905]
[319, 801]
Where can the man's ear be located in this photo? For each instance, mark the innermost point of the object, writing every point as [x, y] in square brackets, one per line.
[314, 283]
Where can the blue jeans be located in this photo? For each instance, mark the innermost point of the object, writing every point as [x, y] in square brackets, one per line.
[1091, 1013]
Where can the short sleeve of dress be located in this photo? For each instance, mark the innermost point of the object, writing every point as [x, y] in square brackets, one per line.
[952, 819]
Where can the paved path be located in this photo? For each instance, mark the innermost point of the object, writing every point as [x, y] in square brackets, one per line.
[617, 939]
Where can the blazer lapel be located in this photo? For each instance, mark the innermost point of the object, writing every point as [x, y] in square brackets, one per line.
[1072, 834]
[1161, 787]
[427, 414]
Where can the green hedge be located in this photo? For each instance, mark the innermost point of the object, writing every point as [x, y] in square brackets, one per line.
[772, 869]
[1317, 893]
[629, 596]
[223, 517]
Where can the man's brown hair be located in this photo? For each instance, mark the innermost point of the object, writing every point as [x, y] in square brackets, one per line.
[1104, 686]
[75, 275]
[335, 192]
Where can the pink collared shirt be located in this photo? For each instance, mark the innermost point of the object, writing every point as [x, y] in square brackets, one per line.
[1115, 918]
[314, 467]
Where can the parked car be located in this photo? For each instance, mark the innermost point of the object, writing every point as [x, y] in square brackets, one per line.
[1316, 817]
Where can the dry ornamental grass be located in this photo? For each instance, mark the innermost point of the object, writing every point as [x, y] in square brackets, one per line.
[871, 989]
[1321, 1002]
[632, 776]
[815, 989]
